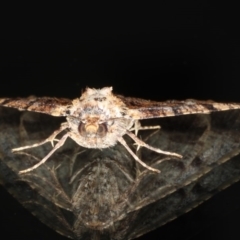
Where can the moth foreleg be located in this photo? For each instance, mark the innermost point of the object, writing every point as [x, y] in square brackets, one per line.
[143, 144]
[50, 139]
[137, 126]
[121, 140]
[58, 145]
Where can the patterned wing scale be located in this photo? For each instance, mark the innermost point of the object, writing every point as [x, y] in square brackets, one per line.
[48, 105]
[144, 109]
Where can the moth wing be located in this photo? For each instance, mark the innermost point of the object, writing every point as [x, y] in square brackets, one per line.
[143, 109]
[48, 105]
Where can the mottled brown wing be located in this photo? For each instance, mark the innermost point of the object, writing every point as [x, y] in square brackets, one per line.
[144, 109]
[48, 105]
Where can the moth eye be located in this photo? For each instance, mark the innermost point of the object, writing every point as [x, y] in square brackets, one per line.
[102, 130]
[82, 129]
[68, 112]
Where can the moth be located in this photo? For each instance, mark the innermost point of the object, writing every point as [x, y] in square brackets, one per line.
[100, 119]
[104, 193]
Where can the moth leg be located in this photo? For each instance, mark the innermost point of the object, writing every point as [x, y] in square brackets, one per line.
[143, 144]
[137, 126]
[51, 139]
[121, 140]
[58, 145]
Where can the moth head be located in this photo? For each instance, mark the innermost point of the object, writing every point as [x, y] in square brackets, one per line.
[98, 118]
[92, 128]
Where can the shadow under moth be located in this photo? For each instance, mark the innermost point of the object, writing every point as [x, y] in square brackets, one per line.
[108, 171]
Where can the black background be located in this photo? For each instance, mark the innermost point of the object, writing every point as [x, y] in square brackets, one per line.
[172, 50]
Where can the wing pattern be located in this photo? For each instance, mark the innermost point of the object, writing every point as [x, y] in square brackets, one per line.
[144, 109]
[47, 105]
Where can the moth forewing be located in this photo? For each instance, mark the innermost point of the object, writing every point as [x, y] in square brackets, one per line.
[143, 109]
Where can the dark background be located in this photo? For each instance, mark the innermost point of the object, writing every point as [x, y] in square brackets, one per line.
[172, 50]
